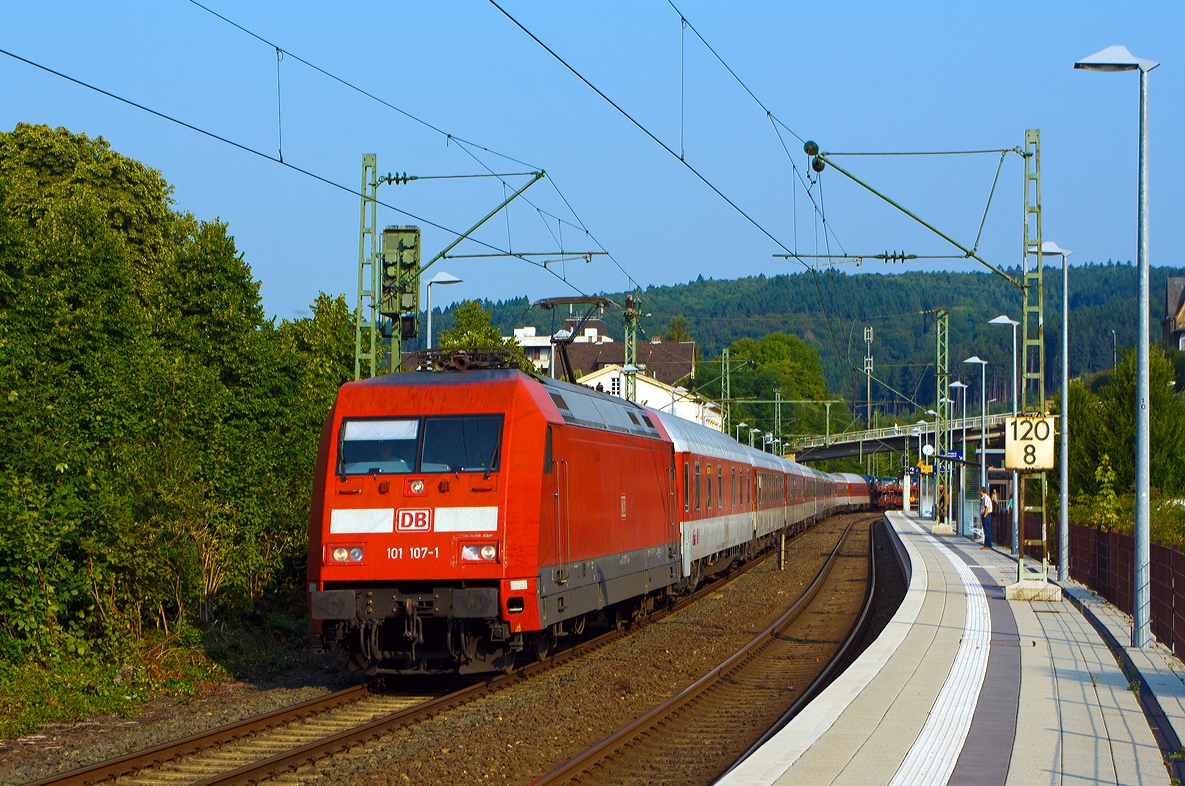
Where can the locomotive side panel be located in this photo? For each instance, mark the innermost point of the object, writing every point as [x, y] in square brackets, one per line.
[609, 534]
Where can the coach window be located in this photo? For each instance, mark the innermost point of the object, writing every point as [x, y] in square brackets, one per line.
[686, 486]
[370, 447]
[709, 505]
[732, 486]
[697, 492]
[720, 484]
[748, 489]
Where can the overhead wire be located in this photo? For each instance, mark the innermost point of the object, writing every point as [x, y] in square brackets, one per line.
[667, 148]
[356, 88]
[274, 159]
[461, 142]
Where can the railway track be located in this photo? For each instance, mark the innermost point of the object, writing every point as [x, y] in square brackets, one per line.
[262, 748]
[698, 734]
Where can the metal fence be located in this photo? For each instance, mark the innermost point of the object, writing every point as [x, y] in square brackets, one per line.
[1104, 562]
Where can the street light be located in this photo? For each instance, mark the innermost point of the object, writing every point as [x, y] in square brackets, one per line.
[958, 385]
[983, 418]
[1004, 319]
[739, 427]
[949, 467]
[1117, 58]
[1063, 528]
[440, 278]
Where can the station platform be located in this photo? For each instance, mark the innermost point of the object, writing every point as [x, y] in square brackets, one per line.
[965, 687]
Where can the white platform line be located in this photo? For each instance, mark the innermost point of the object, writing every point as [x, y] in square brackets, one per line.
[933, 756]
[779, 754]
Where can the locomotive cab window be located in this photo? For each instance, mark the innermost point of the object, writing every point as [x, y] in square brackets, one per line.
[470, 443]
[379, 446]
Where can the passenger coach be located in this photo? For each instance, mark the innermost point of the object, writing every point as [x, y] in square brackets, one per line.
[459, 518]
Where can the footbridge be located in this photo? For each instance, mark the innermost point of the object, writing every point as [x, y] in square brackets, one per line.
[892, 439]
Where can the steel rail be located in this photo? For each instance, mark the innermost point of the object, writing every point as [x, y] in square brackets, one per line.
[360, 735]
[584, 762]
[824, 678]
[169, 751]
[299, 756]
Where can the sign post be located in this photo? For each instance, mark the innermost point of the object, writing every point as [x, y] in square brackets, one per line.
[1028, 450]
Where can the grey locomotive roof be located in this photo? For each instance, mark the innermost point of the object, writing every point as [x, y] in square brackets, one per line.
[584, 406]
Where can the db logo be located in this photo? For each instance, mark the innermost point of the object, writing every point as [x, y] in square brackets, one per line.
[413, 520]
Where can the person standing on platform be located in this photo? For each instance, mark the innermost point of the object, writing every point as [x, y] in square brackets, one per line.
[985, 509]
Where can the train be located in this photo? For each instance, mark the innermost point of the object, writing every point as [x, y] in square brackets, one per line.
[463, 519]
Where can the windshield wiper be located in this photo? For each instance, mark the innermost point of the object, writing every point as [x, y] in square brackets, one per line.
[493, 454]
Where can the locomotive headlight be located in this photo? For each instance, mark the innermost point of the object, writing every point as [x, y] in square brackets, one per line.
[341, 554]
[416, 486]
[356, 554]
[475, 553]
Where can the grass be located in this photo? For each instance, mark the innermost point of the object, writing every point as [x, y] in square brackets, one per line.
[258, 648]
[77, 687]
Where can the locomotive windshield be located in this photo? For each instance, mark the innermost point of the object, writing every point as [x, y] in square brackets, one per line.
[379, 446]
[462, 444]
[465, 443]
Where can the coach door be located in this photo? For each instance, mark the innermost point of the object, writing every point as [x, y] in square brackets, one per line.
[672, 502]
[563, 520]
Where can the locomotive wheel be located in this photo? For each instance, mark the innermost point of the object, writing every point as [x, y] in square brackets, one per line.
[541, 644]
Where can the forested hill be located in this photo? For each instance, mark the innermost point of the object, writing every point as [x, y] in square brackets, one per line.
[830, 311]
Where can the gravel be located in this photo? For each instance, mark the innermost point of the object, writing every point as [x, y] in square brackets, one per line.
[518, 734]
[512, 736]
[59, 747]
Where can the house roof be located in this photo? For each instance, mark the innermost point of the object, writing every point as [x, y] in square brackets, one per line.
[1174, 302]
[667, 362]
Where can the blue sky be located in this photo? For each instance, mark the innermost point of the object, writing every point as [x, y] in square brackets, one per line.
[853, 76]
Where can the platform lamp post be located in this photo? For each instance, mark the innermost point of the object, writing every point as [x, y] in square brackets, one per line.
[1063, 522]
[1004, 319]
[440, 278]
[753, 432]
[949, 471]
[923, 440]
[740, 426]
[1117, 58]
[958, 385]
[982, 418]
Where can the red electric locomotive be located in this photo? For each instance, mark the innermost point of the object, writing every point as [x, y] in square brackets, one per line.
[461, 517]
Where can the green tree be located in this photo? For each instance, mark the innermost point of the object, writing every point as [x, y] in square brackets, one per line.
[677, 330]
[473, 330]
[158, 432]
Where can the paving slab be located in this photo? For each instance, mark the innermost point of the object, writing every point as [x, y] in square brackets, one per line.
[923, 704]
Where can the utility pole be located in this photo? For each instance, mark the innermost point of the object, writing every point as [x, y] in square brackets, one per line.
[726, 382]
[868, 370]
[389, 272]
[777, 413]
[868, 382]
[631, 353]
[369, 274]
[1033, 487]
[942, 437]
